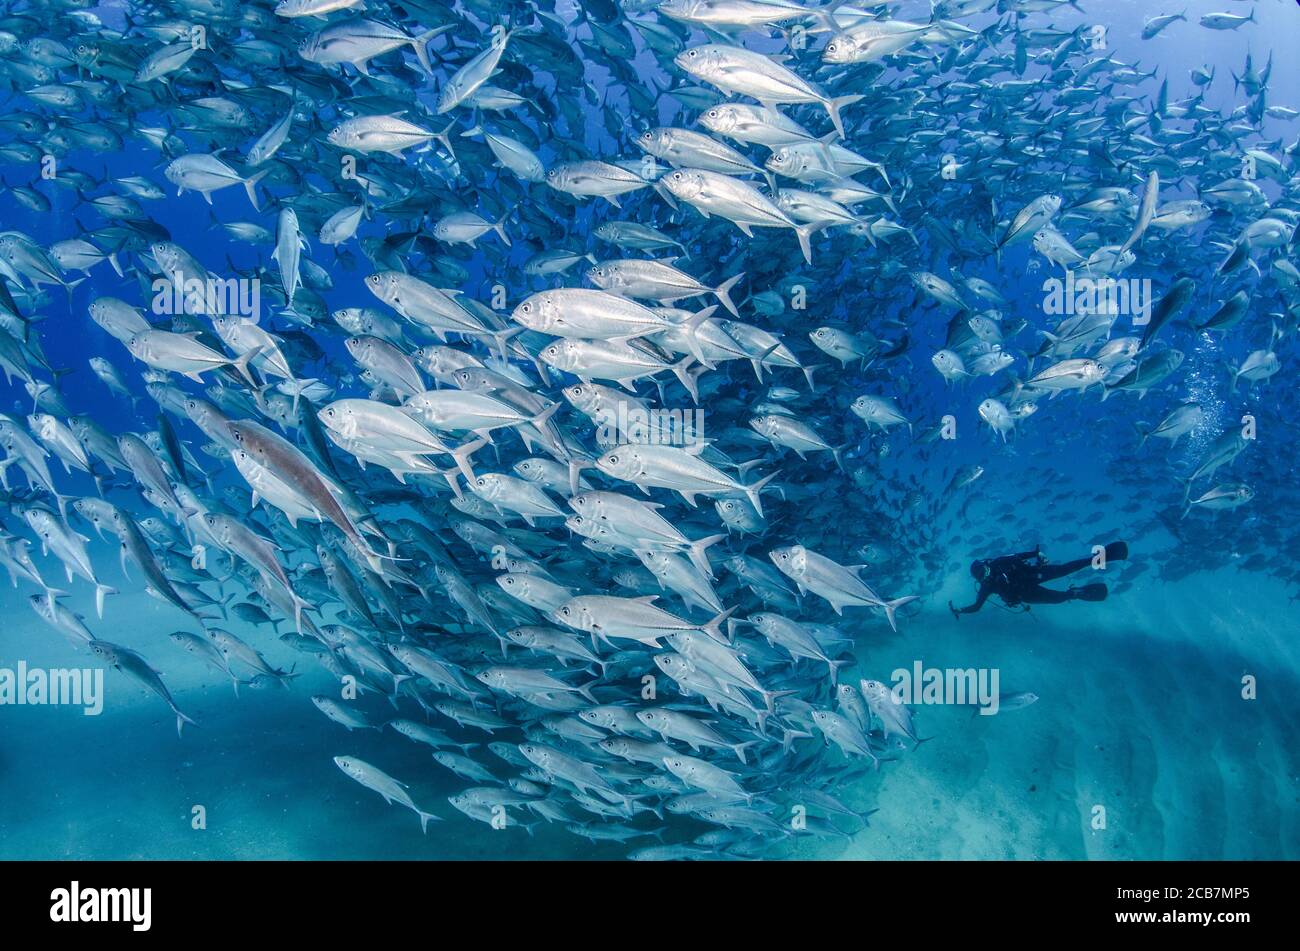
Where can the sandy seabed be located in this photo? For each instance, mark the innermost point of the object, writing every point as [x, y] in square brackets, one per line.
[1141, 714]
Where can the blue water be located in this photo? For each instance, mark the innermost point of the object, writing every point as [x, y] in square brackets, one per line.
[1141, 712]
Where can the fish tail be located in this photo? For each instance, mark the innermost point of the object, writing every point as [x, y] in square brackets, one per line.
[250, 184]
[723, 291]
[680, 370]
[805, 233]
[541, 418]
[101, 590]
[890, 607]
[444, 139]
[421, 43]
[462, 454]
[500, 229]
[713, 628]
[242, 363]
[69, 285]
[575, 468]
[692, 333]
[752, 491]
[697, 554]
[833, 107]
[758, 362]
[502, 337]
[808, 375]
[825, 14]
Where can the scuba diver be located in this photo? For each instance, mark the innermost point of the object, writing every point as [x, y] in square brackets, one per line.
[1018, 579]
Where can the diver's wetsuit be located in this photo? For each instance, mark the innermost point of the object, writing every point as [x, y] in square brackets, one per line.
[1017, 579]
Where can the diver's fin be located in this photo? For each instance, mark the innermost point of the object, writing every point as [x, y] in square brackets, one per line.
[1090, 592]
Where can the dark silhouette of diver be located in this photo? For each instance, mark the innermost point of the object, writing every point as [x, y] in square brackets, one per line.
[1018, 579]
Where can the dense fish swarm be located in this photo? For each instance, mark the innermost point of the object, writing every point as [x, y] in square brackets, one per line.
[627, 385]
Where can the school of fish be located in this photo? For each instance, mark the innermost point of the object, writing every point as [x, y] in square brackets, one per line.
[561, 378]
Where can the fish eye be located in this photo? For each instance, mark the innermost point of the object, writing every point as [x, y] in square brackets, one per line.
[613, 460]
